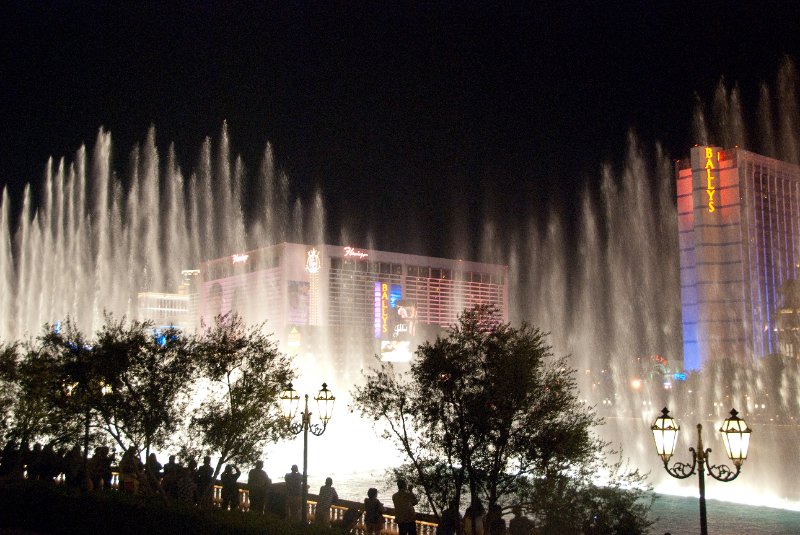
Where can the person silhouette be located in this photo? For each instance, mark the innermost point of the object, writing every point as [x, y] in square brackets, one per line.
[130, 469]
[172, 466]
[294, 492]
[404, 501]
[475, 518]
[258, 482]
[327, 497]
[519, 525]
[450, 521]
[373, 513]
[205, 483]
[230, 490]
[186, 483]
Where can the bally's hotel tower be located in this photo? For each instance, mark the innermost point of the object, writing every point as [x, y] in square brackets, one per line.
[739, 236]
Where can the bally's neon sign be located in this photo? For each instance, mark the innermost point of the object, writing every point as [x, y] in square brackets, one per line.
[384, 308]
[710, 189]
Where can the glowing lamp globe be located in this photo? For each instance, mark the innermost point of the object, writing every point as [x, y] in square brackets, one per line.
[325, 400]
[665, 431]
[736, 437]
[290, 399]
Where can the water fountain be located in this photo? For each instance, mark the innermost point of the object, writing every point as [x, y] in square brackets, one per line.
[619, 304]
[95, 239]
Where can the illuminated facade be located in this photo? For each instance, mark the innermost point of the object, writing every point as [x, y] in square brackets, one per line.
[172, 309]
[739, 239]
[348, 301]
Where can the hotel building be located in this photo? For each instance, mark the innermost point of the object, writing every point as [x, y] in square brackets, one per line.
[172, 309]
[739, 238]
[347, 303]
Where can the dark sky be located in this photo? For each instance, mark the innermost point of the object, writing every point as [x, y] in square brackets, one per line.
[431, 112]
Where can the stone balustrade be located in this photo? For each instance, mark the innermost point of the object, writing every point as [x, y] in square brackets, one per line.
[426, 524]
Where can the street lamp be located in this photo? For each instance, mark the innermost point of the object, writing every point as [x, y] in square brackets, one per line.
[289, 403]
[735, 436]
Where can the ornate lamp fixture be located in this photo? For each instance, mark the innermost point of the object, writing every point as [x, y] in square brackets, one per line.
[290, 401]
[735, 437]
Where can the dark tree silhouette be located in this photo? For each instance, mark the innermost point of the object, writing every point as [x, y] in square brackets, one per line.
[488, 409]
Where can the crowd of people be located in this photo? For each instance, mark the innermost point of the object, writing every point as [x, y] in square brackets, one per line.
[47, 464]
[193, 484]
[476, 520]
[187, 483]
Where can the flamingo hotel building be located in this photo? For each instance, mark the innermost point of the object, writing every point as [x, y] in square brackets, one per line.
[346, 303]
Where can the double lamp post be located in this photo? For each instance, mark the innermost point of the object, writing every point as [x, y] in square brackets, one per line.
[735, 437]
[290, 401]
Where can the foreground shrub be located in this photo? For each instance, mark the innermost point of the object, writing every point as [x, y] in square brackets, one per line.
[44, 508]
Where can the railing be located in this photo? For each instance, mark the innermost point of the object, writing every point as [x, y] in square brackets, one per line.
[426, 525]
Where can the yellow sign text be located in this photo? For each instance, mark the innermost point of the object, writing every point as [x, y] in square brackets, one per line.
[710, 189]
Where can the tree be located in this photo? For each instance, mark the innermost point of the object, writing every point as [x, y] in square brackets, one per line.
[38, 412]
[576, 502]
[486, 408]
[127, 381]
[23, 395]
[150, 374]
[243, 374]
[40, 381]
[8, 386]
[73, 377]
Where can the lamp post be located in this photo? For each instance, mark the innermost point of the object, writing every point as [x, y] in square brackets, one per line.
[290, 400]
[735, 437]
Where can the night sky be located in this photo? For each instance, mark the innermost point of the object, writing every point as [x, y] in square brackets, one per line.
[410, 117]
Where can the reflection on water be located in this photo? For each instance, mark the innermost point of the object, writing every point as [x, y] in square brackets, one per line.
[677, 514]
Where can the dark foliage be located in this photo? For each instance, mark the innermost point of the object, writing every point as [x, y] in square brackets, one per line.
[44, 508]
[489, 411]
